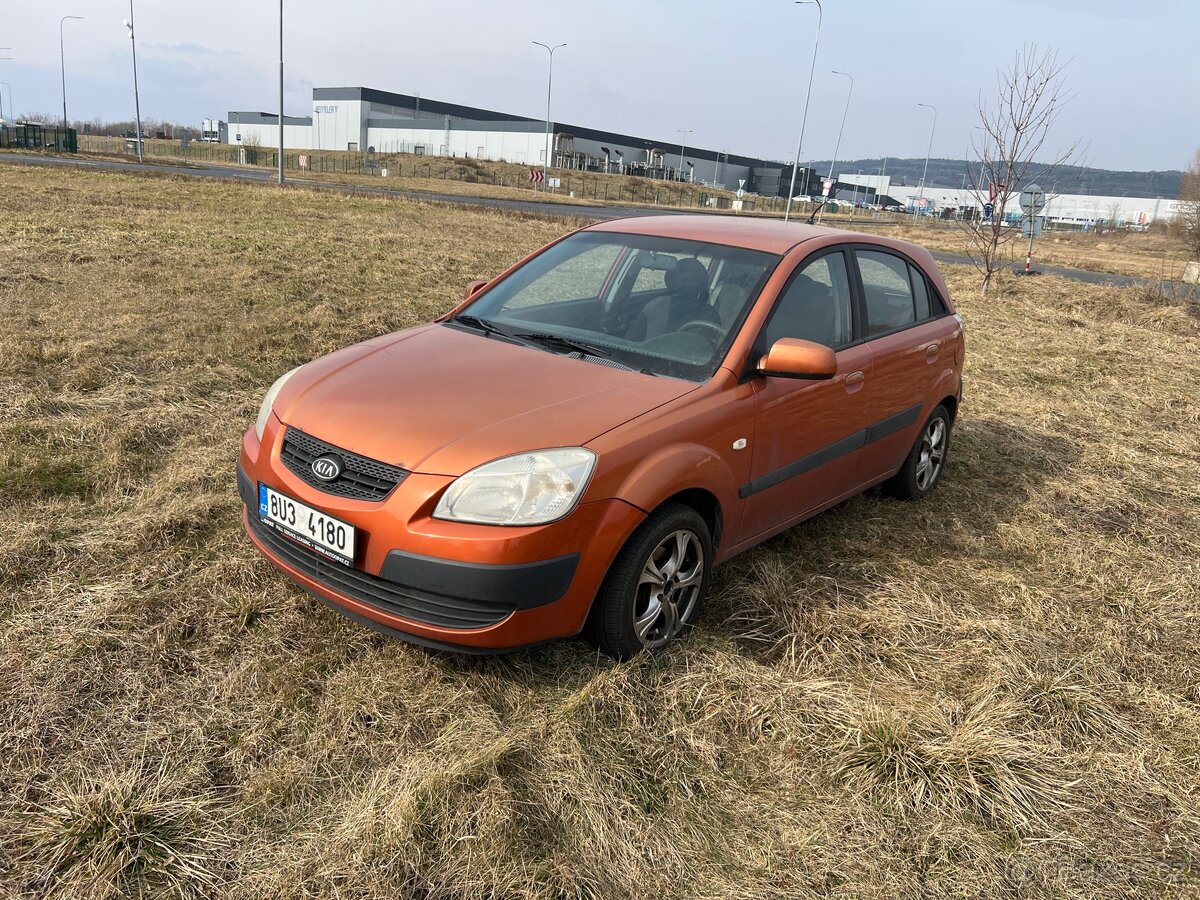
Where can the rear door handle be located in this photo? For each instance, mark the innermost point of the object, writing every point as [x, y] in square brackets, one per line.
[931, 351]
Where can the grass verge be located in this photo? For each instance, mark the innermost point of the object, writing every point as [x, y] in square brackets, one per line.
[992, 693]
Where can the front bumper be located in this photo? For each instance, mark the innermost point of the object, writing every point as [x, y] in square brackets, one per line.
[468, 587]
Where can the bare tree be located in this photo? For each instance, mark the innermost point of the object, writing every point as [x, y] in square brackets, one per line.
[1015, 129]
[1186, 224]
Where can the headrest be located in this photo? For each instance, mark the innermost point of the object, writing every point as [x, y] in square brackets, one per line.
[688, 277]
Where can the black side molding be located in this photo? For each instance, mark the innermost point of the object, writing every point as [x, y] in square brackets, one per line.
[830, 452]
[892, 424]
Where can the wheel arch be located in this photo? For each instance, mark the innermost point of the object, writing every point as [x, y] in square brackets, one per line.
[688, 473]
[707, 504]
[951, 404]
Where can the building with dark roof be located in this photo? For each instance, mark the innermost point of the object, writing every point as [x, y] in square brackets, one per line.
[366, 119]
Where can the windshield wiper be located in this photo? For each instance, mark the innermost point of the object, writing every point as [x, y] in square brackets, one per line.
[558, 340]
[481, 324]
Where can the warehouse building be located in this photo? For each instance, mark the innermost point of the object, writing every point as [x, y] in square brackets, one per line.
[368, 120]
[365, 119]
[1069, 209]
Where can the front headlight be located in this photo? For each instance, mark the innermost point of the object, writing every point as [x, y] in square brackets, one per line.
[526, 489]
[264, 411]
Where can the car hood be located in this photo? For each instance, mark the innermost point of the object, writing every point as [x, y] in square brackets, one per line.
[440, 400]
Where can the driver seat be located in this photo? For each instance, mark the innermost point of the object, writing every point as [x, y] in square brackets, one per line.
[686, 302]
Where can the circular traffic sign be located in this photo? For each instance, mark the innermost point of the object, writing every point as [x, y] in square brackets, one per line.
[1033, 198]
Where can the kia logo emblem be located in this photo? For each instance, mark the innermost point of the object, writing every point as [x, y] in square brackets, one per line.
[327, 468]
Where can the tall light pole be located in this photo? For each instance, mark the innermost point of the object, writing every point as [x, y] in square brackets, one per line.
[137, 108]
[12, 111]
[280, 91]
[62, 62]
[683, 136]
[787, 213]
[838, 146]
[549, 85]
[928, 149]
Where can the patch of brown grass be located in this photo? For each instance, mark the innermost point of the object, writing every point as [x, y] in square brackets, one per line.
[465, 176]
[1153, 254]
[990, 693]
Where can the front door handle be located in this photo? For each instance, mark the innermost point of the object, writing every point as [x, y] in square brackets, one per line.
[854, 381]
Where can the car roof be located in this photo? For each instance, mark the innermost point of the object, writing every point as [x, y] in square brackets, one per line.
[768, 235]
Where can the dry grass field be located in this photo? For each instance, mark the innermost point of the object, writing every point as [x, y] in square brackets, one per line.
[431, 174]
[990, 694]
[1154, 254]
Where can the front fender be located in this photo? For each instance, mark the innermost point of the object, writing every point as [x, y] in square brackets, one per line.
[669, 470]
[687, 445]
[648, 481]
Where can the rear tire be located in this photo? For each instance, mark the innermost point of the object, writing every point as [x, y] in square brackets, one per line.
[655, 586]
[923, 468]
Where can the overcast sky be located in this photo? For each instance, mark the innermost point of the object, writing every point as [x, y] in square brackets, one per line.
[733, 73]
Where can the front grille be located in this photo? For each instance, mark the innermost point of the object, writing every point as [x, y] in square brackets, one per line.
[385, 596]
[361, 478]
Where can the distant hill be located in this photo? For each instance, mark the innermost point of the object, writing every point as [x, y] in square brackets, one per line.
[1070, 179]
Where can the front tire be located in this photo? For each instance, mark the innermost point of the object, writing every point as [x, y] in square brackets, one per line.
[655, 586]
[923, 468]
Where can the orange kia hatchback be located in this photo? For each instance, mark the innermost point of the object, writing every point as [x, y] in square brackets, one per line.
[578, 443]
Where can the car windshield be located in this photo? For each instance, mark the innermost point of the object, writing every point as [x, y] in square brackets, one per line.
[660, 305]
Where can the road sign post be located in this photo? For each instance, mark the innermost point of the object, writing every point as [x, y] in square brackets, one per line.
[1033, 201]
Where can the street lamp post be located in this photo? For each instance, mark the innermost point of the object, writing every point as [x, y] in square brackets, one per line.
[549, 85]
[280, 91]
[927, 152]
[62, 62]
[683, 135]
[838, 146]
[12, 111]
[787, 212]
[137, 108]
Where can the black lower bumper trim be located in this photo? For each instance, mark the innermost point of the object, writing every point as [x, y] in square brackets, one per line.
[520, 585]
[393, 599]
[439, 592]
[417, 639]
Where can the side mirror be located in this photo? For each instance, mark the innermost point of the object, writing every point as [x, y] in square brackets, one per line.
[473, 288]
[795, 358]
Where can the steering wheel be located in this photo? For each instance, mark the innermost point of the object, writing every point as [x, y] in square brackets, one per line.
[705, 328]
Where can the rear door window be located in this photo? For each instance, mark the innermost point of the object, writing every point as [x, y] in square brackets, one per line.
[887, 292]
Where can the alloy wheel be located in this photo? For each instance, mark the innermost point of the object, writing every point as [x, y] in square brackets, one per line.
[668, 588]
[931, 454]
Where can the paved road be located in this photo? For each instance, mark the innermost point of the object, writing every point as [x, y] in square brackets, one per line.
[570, 210]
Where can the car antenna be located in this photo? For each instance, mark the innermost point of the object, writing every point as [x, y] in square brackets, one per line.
[812, 215]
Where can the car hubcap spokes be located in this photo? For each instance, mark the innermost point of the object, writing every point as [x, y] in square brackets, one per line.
[931, 454]
[668, 588]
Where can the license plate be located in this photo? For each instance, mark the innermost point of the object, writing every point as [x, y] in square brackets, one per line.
[314, 529]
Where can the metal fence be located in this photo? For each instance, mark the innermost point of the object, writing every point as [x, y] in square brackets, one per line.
[35, 136]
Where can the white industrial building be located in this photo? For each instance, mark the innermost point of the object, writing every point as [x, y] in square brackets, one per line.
[1076, 209]
[368, 120]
